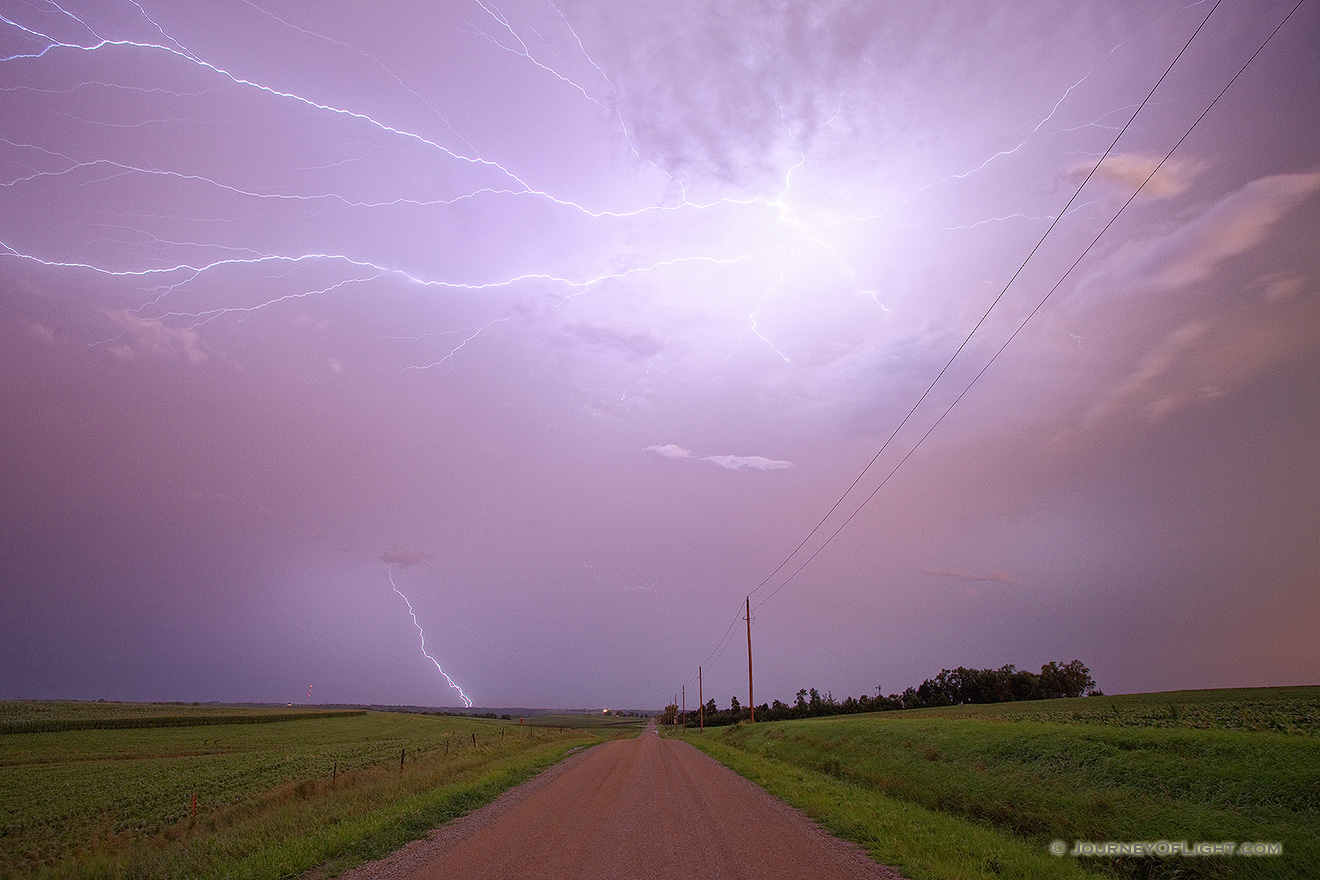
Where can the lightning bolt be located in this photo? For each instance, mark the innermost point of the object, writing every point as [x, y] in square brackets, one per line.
[798, 237]
[172, 271]
[421, 634]
[179, 275]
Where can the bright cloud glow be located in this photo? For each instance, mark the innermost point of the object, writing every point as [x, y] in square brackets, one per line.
[285, 284]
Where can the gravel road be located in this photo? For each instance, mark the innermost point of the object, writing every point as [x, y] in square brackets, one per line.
[640, 808]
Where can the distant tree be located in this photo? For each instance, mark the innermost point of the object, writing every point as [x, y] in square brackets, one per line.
[1023, 685]
[1070, 680]
[949, 687]
[814, 703]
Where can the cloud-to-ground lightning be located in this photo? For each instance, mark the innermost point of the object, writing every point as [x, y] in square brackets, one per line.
[471, 272]
[421, 635]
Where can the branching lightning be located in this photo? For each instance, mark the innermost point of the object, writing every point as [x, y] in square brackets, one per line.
[775, 254]
[762, 241]
[421, 634]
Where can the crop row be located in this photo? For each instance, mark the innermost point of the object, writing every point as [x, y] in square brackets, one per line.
[58, 789]
[1280, 716]
[57, 725]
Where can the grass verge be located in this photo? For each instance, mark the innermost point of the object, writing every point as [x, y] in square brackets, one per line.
[920, 842]
[963, 793]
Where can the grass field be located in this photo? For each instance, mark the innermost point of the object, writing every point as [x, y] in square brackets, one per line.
[274, 799]
[976, 791]
[594, 721]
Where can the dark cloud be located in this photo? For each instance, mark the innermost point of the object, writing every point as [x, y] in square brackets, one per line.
[404, 556]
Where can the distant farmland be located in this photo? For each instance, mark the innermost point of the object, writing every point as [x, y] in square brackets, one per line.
[594, 721]
[106, 789]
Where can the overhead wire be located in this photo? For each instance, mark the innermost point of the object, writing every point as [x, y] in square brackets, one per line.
[943, 371]
[1076, 262]
[1058, 218]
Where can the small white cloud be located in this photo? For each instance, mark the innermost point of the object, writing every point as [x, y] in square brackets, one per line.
[1130, 170]
[1193, 251]
[152, 336]
[670, 450]
[39, 331]
[1209, 357]
[729, 462]
[1277, 287]
[755, 462]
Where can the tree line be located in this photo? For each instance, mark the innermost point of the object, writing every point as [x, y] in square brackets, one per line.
[951, 687]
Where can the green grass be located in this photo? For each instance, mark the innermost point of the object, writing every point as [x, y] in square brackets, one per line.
[51, 713]
[274, 800]
[974, 791]
[1279, 710]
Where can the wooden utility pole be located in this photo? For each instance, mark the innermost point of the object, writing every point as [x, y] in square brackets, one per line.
[701, 707]
[751, 700]
[684, 715]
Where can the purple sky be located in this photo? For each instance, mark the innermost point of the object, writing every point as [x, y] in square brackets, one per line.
[571, 321]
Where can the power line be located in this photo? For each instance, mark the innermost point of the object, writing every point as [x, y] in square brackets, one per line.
[995, 302]
[1044, 299]
[719, 647]
[724, 639]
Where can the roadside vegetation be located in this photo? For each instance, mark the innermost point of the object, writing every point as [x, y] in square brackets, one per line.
[302, 792]
[977, 791]
[952, 687]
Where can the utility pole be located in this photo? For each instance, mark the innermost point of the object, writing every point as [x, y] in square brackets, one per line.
[751, 700]
[684, 716]
[701, 707]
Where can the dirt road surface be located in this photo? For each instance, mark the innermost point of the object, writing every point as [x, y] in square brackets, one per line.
[640, 808]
